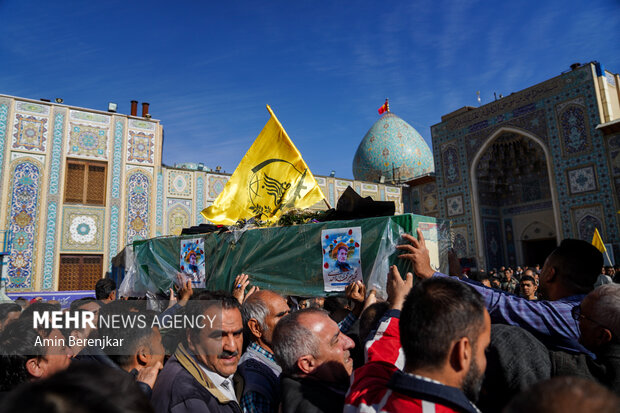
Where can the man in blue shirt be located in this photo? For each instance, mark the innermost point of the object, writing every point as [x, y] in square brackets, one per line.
[569, 273]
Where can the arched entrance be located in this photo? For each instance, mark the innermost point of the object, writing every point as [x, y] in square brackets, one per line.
[512, 187]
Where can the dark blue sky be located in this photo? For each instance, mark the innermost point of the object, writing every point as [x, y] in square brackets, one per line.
[208, 68]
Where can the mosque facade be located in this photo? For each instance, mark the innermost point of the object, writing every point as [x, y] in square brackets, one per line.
[77, 185]
[515, 176]
[518, 175]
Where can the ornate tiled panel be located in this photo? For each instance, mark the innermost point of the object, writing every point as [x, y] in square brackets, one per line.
[139, 189]
[178, 215]
[459, 241]
[30, 107]
[454, 205]
[140, 147]
[493, 243]
[30, 133]
[180, 183]
[200, 199]
[574, 127]
[23, 214]
[4, 109]
[216, 185]
[89, 117]
[88, 141]
[82, 229]
[450, 164]
[586, 219]
[582, 180]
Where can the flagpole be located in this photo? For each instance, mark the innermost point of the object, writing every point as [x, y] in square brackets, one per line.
[607, 255]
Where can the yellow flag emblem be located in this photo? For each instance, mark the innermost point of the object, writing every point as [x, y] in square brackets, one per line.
[597, 241]
[271, 178]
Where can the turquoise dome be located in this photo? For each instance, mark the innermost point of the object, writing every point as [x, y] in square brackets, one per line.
[394, 149]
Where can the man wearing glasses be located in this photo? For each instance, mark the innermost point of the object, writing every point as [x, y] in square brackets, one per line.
[598, 316]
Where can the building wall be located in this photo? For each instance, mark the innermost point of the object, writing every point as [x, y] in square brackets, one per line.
[562, 114]
[143, 199]
[188, 192]
[36, 140]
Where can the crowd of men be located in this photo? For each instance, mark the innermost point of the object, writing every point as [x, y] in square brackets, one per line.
[530, 339]
[523, 280]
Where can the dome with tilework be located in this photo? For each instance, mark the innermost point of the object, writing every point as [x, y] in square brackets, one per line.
[394, 149]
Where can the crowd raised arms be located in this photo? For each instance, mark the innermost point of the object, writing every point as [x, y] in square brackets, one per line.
[512, 339]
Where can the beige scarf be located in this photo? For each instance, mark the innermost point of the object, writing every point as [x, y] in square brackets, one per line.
[191, 365]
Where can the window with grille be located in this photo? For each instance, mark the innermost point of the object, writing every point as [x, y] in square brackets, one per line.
[79, 272]
[86, 182]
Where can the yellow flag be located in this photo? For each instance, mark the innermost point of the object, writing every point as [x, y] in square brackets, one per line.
[597, 241]
[271, 178]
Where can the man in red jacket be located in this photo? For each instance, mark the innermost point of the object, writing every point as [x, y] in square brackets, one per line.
[445, 330]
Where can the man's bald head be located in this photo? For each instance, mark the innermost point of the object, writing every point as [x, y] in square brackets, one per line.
[261, 311]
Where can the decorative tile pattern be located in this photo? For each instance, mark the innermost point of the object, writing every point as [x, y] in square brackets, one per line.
[178, 215]
[497, 111]
[180, 183]
[493, 243]
[50, 246]
[53, 199]
[89, 141]
[454, 205]
[459, 242]
[534, 123]
[586, 219]
[582, 180]
[89, 117]
[141, 147]
[159, 207]
[562, 113]
[393, 149]
[114, 236]
[30, 133]
[4, 109]
[200, 199]
[56, 153]
[32, 108]
[117, 159]
[216, 185]
[510, 242]
[525, 209]
[22, 222]
[141, 124]
[450, 164]
[138, 210]
[82, 229]
[573, 125]
[17, 155]
[429, 204]
[615, 161]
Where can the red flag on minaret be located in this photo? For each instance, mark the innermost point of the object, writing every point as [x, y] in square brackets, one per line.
[384, 108]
